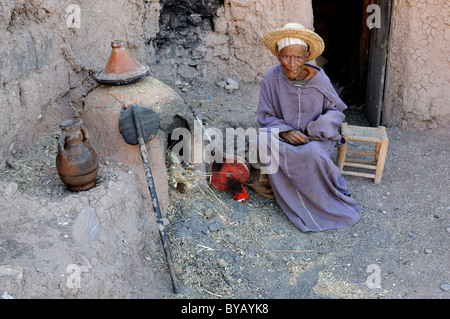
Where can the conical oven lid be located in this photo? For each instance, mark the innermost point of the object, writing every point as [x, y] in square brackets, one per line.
[121, 68]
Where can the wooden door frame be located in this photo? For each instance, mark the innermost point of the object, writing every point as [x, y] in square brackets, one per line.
[375, 91]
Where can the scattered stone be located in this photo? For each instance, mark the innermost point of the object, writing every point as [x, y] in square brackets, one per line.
[230, 81]
[229, 84]
[221, 84]
[14, 164]
[214, 227]
[222, 263]
[445, 287]
[231, 87]
[209, 214]
[428, 251]
[10, 190]
[178, 269]
[7, 296]
[86, 226]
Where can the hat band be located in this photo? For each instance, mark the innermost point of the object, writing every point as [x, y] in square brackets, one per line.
[290, 41]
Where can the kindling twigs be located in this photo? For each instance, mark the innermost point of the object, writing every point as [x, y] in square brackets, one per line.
[295, 251]
[206, 247]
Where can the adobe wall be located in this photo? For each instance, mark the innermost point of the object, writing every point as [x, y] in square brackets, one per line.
[225, 41]
[418, 90]
[245, 22]
[46, 67]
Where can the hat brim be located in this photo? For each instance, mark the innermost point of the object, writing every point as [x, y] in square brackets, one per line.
[314, 41]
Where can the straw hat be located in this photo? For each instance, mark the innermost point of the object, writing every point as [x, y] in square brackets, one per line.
[295, 30]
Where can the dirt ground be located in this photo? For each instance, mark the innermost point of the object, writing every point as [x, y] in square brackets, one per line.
[221, 248]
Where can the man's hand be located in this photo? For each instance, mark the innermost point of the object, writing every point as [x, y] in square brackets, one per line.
[294, 137]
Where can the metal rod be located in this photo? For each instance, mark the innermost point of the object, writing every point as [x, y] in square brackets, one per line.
[151, 186]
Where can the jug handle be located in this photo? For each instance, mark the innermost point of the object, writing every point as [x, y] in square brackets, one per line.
[85, 135]
[61, 143]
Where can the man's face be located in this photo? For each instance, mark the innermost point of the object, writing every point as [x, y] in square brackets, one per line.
[293, 58]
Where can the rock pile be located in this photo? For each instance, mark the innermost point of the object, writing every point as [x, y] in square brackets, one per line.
[228, 84]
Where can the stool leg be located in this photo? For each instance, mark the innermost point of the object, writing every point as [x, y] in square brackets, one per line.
[342, 150]
[381, 160]
[377, 151]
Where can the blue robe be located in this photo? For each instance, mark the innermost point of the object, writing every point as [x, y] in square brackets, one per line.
[306, 183]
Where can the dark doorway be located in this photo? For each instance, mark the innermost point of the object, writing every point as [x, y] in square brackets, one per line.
[341, 25]
[356, 55]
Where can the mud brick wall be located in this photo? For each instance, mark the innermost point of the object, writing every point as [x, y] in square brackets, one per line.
[418, 91]
[213, 39]
[179, 45]
[46, 66]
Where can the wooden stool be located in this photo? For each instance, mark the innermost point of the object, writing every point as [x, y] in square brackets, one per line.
[376, 135]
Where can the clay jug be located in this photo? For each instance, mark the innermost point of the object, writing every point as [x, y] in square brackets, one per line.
[76, 161]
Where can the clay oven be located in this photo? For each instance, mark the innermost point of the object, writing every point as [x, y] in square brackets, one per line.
[122, 88]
